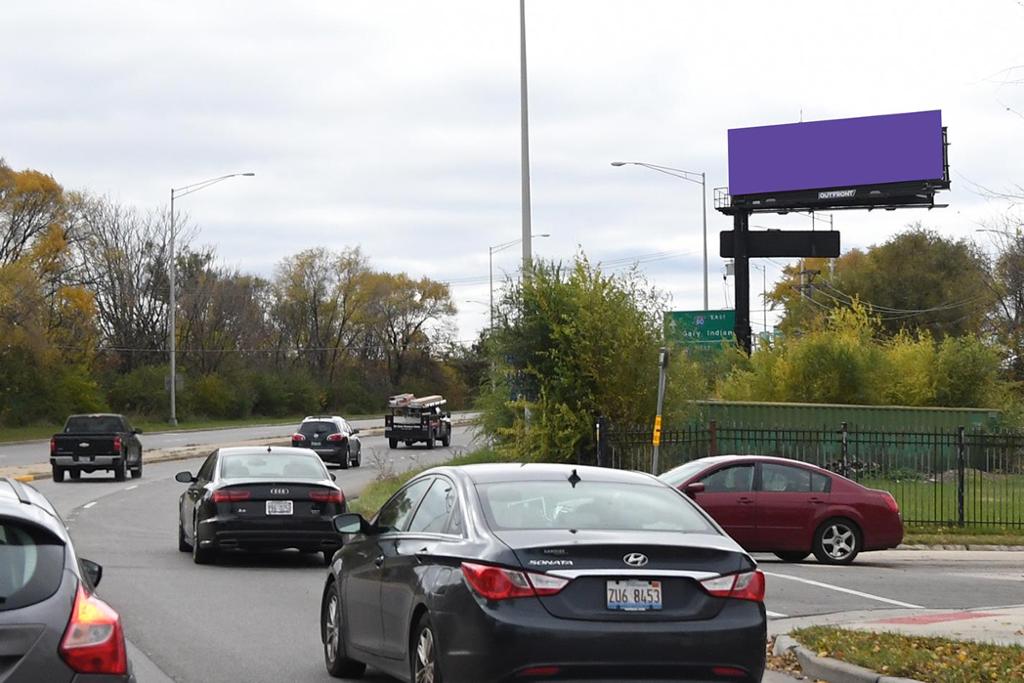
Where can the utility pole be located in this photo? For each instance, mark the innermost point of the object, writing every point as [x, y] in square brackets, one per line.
[656, 438]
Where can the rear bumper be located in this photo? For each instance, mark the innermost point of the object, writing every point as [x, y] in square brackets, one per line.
[96, 461]
[301, 534]
[889, 534]
[483, 643]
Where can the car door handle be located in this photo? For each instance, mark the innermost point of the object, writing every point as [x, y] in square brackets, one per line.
[746, 501]
[379, 560]
[817, 501]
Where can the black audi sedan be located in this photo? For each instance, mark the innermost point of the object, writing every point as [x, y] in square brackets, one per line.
[259, 498]
[542, 573]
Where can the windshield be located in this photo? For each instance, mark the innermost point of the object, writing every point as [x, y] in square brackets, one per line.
[678, 475]
[104, 424]
[31, 565]
[272, 466]
[589, 505]
[320, 427]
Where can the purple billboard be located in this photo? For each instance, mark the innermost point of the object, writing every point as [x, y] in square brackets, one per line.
[869, 150]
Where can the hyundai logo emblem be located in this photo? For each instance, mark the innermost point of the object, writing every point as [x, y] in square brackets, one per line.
[635, 559]
[84, 444]
[279, 492]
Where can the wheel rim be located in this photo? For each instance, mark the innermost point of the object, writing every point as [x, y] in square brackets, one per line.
[426, 666]
[838, 541]
[332, 628]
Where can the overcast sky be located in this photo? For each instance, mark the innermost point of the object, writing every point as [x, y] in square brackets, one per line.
[395, 125]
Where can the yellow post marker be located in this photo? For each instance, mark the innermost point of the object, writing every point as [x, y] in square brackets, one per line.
[657, 430]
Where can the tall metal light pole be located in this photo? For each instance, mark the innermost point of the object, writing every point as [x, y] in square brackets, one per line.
[691, 176]
[491, 251]
[172, 317]
[525, 144]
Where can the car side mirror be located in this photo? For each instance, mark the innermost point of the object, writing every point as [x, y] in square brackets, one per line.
[694, 488]
[136, 431]
[356, 430]
[93, 571]
[353, 523]
[184, 477]
[334, 477]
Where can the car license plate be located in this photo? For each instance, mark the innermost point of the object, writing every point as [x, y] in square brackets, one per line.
[315, 443]
[634, 596]
[279, 507]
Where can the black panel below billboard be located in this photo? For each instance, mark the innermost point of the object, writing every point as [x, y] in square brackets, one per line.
[783, 244]
[887, 196]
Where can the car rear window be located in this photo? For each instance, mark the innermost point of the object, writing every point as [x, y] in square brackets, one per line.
[271, 466]
[31, 565]
[314, 428]
[588, 505]
[93, 425]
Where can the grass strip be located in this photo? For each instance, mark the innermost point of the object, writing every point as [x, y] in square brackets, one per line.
[378, 492]
[931, 660]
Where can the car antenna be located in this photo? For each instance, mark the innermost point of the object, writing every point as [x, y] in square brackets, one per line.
[574, 478]
[268, 449]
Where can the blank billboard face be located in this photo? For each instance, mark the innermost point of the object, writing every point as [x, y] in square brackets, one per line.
[869, 150]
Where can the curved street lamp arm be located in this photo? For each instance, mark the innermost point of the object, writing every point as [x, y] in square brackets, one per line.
[203, 184]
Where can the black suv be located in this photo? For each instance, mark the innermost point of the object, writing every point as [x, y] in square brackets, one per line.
[333, 439]
[53, 626]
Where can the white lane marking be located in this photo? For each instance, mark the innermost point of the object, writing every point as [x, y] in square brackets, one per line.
[88, 505]
[840, 589]
[775, 615]
[133, 486]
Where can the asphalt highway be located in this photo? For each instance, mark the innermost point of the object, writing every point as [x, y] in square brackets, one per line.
[255, 617]
[35, 452]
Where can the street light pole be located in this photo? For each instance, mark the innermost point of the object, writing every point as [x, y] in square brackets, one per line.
[172, 299]
[693, 177]
[525, 144]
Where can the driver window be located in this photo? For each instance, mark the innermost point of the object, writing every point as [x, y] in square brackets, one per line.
[206, 471]
[396, 512]
[735, 479]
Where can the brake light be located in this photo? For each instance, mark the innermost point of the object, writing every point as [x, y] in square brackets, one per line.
[117, 444]
[53, 446]
[298, 437]
[728, 672]
[539, 672]
[746, 586]
[336, 437]
[93, 642]
[327, 496]
[231, 495]
[497, 583]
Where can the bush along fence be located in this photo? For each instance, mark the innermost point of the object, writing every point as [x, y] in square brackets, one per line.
[946, 477]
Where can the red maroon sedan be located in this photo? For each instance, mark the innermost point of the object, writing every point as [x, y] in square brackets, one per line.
[790, 508]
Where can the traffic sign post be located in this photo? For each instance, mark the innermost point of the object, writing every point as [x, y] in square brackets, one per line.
[656, 438]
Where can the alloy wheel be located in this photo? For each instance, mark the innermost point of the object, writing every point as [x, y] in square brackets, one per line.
[426, 663]
[332, 628]
[839, 541]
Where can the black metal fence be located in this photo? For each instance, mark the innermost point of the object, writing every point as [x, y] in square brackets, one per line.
[942, 477]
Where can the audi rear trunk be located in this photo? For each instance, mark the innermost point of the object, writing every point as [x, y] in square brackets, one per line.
[256, 514]
[659, 606]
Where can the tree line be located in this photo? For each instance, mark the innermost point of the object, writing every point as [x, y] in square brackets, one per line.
[84, 302]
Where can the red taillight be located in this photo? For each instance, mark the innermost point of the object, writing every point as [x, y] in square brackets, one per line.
[327, 496]
[728, 672]
[298, 437]
[93, 642]
[53, 446]
[336, 437]
[117, 444]
[539, 672]
[497, 583]
[746, 586]
[231, 495]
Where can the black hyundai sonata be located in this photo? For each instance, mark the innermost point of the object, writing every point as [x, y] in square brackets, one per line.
[542, 573]
[259, 499]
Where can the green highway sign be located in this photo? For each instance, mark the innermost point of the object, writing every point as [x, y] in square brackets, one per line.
[699, 327]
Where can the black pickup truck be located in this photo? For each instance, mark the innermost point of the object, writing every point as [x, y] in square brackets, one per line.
[96, 442]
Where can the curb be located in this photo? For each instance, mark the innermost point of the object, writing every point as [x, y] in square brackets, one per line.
[962, 546]
[831, 670]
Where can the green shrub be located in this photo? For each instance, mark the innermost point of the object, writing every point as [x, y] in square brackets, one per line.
[140, 392]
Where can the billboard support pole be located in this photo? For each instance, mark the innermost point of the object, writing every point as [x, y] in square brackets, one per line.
[741, 226]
